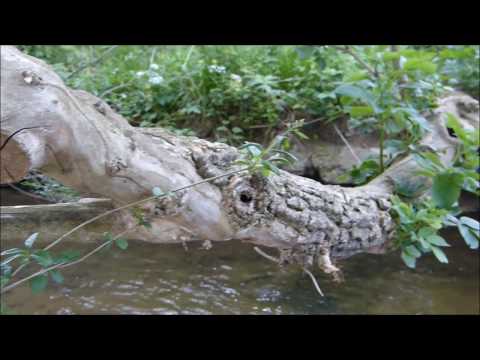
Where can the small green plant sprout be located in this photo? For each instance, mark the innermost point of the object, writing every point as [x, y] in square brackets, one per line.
[264, 161]
[362, 173]
[417, 233]
[139, 215]
[40, 257]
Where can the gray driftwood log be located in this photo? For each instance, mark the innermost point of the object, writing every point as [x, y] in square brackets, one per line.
[80, 141]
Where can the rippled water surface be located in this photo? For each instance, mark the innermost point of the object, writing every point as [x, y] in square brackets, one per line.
[233, 279]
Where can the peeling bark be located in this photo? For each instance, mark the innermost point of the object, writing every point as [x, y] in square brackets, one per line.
[80, 141]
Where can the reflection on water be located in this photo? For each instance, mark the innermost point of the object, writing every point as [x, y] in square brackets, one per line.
[233, 279]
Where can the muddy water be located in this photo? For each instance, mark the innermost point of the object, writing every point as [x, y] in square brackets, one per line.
[233, 279]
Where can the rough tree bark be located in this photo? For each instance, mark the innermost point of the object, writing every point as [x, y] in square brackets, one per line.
[79, 140]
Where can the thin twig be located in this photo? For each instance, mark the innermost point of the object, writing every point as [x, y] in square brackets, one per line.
[347, 144]
[108, 91]
[98, 248]
[152, 57]
[138, 203]
[92, 63]
[349, 51]
[62, 264]
[25, 192]
[18, 131]
[265, 255]
[188, 57]
[314, 281]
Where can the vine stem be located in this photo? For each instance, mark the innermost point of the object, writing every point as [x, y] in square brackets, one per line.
[140, 202]
[353, 54]
[347, 144]
[95, 62]
[382, 136]
[309, 273]
[63, 265]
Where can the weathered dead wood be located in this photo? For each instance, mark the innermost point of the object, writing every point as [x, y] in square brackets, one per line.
[80, 141]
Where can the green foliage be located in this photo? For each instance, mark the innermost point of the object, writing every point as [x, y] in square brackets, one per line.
[39, 283]
[264, 161]
[420, 222]
[417, 233]
[361, 174]
[139, 214]
[48, 188]
[121, 243]
[28, 255]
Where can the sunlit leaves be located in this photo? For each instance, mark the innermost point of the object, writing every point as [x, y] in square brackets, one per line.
[446, 189]
[364, 172]
[409, 260]
[56, 276]
[470, 230]
[39, 283]
[437, 240]
[358, 93]
[121, 243]
[425, 66]
[263, 160]
[30, 240]
[439, 254]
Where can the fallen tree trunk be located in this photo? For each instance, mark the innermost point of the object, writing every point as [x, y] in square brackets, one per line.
[77, 139]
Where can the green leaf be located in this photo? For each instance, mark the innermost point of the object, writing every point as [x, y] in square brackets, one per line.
[300, 134]
[358, 93]
[56, 276]
[456, 126]
[410, 261]
[67, 256]
[425, 232]
[39, 283]
[268, 165]
[446, 189]
[425, 245]
[254, 150]
[30, 240]
[439, 254]
[450, 220]
[157, 191]
[434, 159]
[471, 238]
[265, 172]
[425, 66]
[471, 223]
[43, 258]
[360, 111]
[121, 243]
[437, 240]
[289, 156]
[10, 259]
[412, 251]
[391, 55]
[11, 251]
[4, 281]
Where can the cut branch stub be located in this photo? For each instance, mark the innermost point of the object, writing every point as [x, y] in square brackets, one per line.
[19, 153]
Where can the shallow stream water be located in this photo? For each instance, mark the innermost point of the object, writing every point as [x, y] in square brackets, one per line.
[233, 279]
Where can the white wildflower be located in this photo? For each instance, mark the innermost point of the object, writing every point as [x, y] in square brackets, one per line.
[236, 78]
[155, 80]
[217, 69]
[140, 73]
[154, 66]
